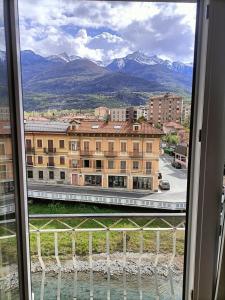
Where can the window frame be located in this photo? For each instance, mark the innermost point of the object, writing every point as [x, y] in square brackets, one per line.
[199, 275]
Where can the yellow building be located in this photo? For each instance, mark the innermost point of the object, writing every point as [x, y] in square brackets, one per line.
[118, 155]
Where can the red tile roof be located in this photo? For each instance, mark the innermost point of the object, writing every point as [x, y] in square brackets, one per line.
[113, 127]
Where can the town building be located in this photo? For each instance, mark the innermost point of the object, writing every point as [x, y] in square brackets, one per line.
[120, 155]
[181, 155]
[165, 108]
[6, 169]
[101, 112]
[172, 128]
[47, 147]
[142, 111]
[186, 112]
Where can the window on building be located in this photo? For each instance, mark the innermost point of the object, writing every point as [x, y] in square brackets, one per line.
[98, 146]
[62, 160]
[87, 163]
[28, 144]
[74, 145]
[148, 167]
[123, 165]
[110, 164]
[29, 160]
[123, 147]
[110, 146]
[135, 147]
[39, 143]
[2, 149]
[74, 163]
[30, 174]
[2, 171]
[40, 174]
[62, 175]
[51, 161]
[51, 174]
[61, 144]
[149, 148]
[86, 146]
[135, 165]
[40, 160]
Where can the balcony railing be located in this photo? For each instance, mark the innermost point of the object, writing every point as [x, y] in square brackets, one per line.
[135, 154]
[110, 153]
[30, 163]
[86, 153]
[50, 164]
[146, 247]
[30, 150]
[49, 150]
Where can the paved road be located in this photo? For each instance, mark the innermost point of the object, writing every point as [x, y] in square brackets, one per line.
[88, 190]
[177, 179]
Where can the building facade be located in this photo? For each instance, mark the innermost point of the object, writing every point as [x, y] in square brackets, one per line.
[181, 155]
[165, 108]
[101, 154]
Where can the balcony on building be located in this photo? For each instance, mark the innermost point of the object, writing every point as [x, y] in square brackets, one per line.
[49, 150]
[110, 153]
[30, 150]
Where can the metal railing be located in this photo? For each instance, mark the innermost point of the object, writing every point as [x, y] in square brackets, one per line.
[49, 150]
[106, 243]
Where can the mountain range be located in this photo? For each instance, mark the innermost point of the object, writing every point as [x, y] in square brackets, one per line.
[64, 82]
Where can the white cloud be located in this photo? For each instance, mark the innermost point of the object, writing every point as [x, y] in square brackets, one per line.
[164, 29]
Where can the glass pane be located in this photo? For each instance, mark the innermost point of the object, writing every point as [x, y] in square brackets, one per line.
[113, 80]
[8, 245]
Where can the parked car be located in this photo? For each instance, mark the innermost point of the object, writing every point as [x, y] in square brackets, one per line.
[164, 185]
[176, 164]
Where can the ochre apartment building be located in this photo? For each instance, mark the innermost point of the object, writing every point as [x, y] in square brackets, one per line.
[102, 154]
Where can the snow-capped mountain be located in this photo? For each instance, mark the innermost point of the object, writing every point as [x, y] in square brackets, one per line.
[122, 64]
[63, 57]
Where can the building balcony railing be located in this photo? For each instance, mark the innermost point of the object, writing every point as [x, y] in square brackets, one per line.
[135, 154]
[110, 153]
[49, 150]
[52, 164]
[99, 169]
[30, 163]
[148, 171]
[86, 153]
[30, 150]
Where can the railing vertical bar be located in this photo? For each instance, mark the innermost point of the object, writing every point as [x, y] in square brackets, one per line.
[57, 249]
[74, 264]
[91, 265]
[124, 265]
[39, 251]
[42, 293]
[174, 242]
[156, 263]
[139, 265]
[108, 263]
[59, 285]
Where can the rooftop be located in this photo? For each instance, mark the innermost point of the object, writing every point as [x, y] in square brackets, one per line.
[50, 126]
[115, 127]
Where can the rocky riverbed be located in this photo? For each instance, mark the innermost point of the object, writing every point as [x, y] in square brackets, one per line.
[117, 263]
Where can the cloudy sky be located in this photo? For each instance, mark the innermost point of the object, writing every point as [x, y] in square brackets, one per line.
[106, 30]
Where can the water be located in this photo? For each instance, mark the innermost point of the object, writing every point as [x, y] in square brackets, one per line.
[65, 286]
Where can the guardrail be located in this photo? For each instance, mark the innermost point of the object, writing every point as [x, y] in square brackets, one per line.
[106, 199]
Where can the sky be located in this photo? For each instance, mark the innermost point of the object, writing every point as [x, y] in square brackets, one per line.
[102, 31]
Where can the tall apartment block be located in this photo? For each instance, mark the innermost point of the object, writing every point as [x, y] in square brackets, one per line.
[165, 108]
[94, 153]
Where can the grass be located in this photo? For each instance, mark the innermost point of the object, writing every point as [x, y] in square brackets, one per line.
[9, 252]
[99, 238]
